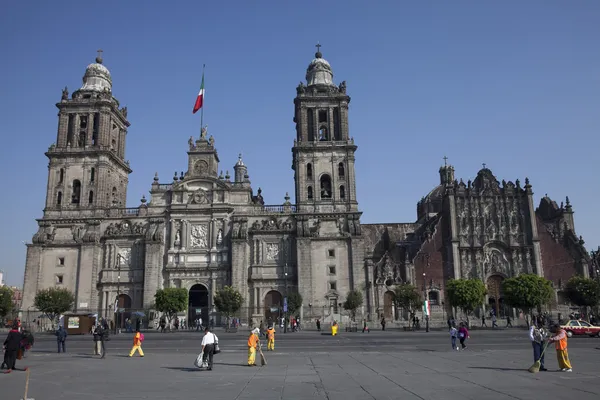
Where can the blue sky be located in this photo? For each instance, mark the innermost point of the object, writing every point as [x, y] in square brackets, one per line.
[513, 84]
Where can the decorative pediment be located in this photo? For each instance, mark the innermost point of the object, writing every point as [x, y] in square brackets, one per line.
[125, 228]
[388, 271]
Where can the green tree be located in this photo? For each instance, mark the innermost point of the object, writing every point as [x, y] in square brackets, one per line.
[171, 301]
[53, 302]
[407, 297]
[6, 303]
[527, 292]
[294, 302]
[354, 299]
[228, 301]
[466, 294]
[583, 292]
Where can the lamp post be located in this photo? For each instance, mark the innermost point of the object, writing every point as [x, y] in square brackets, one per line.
[285, 299]
[118, 294]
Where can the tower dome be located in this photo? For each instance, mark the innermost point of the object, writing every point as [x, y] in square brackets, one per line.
[319, 71]
[97, 77]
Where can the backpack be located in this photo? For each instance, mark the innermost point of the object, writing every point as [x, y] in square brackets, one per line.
[141, 337]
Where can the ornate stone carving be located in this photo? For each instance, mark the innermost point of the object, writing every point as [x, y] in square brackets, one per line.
[124, 258]
[272, 251]
[78, 231]
[45, 234]
[201, 168]
[528, 261]
[220, 237]
[495, 262]
[200, 196]
[125, 228]
[199, 236]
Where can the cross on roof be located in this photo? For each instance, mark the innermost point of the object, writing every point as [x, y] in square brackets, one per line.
[445, 161]
[484, 164]
[318, 46]
[100, 53]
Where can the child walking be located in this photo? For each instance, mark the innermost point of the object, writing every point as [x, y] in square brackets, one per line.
[138, 338]
[453, 336]
[463, 335]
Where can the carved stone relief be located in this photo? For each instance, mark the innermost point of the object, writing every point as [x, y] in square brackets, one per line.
[199, 236]
[200, 196]
[272, 251]
[495, 261]
[124, 258]
[220, 237]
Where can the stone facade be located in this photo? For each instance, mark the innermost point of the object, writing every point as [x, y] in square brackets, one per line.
[206, 229]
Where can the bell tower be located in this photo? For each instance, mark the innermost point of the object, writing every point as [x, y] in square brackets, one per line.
[323, 152]
[87, 167]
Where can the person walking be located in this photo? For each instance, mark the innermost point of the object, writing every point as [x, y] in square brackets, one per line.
[483, 321]
[463, 335]
[365, 326]
[383, 323]
[11, 348]
[97, 344]
[537, 336]
[271, 338]
[318, 325]
[138, 338]
[560, 342]
[253, 342]
[494, 324]
[453, 336]
[209, 341]
[61, 338]
[509, 323]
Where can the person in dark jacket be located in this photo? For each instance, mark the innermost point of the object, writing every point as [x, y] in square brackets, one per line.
[61, 338]
[11, 348]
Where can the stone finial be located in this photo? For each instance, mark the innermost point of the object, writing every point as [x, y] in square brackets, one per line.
[175, 176]
[99, 56]
[227, 176]
[568, 202]
[221, 175]
[143, 200]
[156, 177]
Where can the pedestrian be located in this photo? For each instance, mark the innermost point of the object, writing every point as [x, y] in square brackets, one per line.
[318, 325]
[271, 338]
[483, 321]
[253, 342]
[463, 335]
[453, 336]
[261, 328]
[365, 326]
[494, 324]
[537, 335]
[138, 338]
[11, 348]
[209, 341]
[509, 323]
[560, 342]
[97, 344]
[61, 338]
[383, 323]
[102, 335]
[449, 322]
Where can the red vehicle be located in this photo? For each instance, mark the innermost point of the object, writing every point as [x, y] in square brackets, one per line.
[578, 327]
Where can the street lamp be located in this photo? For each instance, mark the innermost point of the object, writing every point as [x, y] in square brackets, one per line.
[285, 300]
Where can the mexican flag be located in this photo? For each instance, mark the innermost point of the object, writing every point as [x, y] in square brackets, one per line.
[200, 98]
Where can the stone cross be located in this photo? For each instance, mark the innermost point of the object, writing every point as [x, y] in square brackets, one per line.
[445, 161]
[318, 46]
[483, 165]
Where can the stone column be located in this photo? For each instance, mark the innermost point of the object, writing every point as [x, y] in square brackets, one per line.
[90, 130]
[185, 233]
[63, 126]
[213, 233]
[213, 289]
[171, 234]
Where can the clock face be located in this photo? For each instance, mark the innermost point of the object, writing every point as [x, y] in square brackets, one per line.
[201, 168]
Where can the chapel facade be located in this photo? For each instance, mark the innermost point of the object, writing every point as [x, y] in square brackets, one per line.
[205, 229]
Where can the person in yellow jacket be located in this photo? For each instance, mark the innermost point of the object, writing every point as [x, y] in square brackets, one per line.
[334, 328]
[270, 338]
[560, 343]
[138, 338]
[253, 343]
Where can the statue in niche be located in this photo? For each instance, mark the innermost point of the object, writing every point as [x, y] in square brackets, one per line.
[178, 237]
[528, 261]
[220, 237]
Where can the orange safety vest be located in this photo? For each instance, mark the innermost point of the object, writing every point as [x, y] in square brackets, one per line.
[562, 343]
[271, 333]
[136, 339]
[252, 340]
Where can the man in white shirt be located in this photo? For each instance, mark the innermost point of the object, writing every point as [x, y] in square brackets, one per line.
[537, 336]
[209, 341]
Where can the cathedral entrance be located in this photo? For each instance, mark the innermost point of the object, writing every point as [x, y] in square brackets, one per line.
[273, 306]
[495, 295]
[388, 305]
[198, 304]
[124, 307]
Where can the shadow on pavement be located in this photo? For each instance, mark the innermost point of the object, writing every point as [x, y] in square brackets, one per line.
[184, 369]
[500, 369]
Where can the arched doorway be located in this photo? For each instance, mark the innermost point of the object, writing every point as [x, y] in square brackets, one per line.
[198, 304]
[124, 309]
[388, 305]
[273, 306]
[495, 295]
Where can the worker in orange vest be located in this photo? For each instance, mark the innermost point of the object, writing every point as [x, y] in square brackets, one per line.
[138, 338]
[253, 342]
[271, 338]
[560, 342]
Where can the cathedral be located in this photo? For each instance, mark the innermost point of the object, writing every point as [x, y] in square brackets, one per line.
[205, 229]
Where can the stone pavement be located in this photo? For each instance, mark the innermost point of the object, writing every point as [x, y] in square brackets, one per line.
[306, 365]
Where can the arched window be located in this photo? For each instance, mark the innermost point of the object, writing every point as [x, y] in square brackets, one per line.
[341, 170]
[61, 175]
[342, 192]
[91, 197]
[434, 298]
[325, 187]
[310, 193]
[323, 134]
[76, 197]
[92, 174]
[309, 171]
[59, 199]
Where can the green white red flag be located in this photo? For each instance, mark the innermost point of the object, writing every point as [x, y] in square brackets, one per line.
[200, 98]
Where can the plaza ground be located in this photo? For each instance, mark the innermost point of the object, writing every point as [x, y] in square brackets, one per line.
[308, 365]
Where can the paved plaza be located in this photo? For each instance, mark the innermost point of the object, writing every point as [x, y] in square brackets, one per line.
[308, 365]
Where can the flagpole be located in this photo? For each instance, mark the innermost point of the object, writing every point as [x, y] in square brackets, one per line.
[202, 109]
